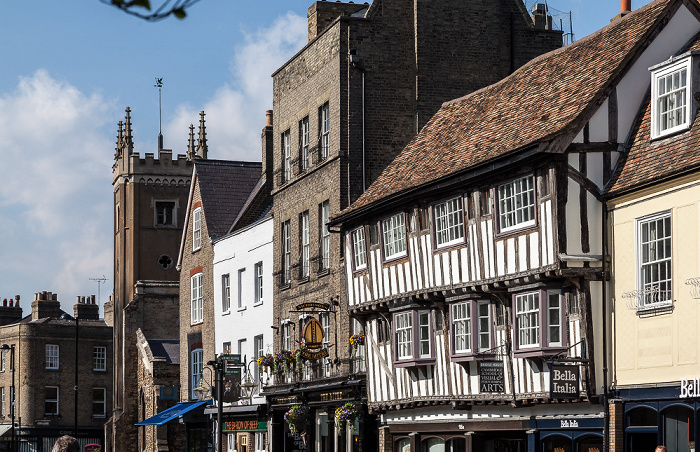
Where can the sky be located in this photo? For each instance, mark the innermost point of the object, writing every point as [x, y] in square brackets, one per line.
[69, 69]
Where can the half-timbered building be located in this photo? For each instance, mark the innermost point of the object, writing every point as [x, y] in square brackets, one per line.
[476, 260]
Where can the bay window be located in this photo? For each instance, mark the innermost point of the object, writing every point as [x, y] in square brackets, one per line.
[471, 328]
[539, 322]
[413, 338]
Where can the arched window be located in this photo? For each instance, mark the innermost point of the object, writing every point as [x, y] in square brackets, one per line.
[590, 444]
[403, 445]
[556, 443]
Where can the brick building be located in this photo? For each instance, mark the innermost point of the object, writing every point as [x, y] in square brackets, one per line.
[367, 81]
[150, 195]
[48, 361]
[219, 190]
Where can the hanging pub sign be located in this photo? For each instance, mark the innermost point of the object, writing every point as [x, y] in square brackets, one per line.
[491, 377]
[313, 339]
[563, 381]
[232, 383]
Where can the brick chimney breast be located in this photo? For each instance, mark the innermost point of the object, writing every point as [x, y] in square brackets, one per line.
[85, 308]
[45, 305]
[321, 14]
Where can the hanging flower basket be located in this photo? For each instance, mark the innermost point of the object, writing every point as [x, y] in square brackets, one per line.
[348, 412]
[265, 362]
[297, 418]
[298, 358]
[284, 360]
[357, 340]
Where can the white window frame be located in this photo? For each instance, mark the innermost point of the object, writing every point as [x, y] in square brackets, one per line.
[259, 283]
[197, 229]
[2, 401]
[287, 155]
[394, 236]
[196, 369]
[359, 252]
[286, 252]
[197, 298]
[403, 332]
[425, 334]
[2, 360]
[52, 360]
[258, 351]
[664, 295]
[679, 67]
[527, 316]
[325, 128]
[96, 402]
[304, 143]
[287, 335]
[304, 242]
[517, 200]
[241, 298]
[99, 358]
[325, 236]
[448, 222]
[461, 327]
[226, 293]
[56, 401]
[324, 319]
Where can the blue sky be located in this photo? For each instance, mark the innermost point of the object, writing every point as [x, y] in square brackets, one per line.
[69, 69]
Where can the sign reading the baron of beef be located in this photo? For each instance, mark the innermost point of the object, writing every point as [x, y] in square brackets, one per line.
[491, 377]
[564, 381]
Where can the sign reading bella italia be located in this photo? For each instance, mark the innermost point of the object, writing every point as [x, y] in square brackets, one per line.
[563, 381]
[690, 388]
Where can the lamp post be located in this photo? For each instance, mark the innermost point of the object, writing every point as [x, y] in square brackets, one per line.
[6, 347]
[65, 316]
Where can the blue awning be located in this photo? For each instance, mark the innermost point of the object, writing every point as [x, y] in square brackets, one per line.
[172, 413]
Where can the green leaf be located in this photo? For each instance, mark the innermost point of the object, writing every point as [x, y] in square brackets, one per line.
[180, 13]
[142, 3]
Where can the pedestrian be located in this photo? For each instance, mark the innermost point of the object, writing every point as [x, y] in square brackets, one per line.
[660, 448]
[66, 443]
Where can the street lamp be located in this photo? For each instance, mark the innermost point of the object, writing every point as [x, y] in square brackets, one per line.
[249, 386]
[65, 316]
[6, 347]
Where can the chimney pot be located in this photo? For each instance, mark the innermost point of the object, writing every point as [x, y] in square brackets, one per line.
[4, 302]
[625, 6]
[268, 115]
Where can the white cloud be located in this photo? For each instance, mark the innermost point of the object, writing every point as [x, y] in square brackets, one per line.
[55, 189]
[235, 114]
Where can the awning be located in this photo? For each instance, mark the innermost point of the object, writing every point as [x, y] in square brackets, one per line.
[172, 413]
[4, 428]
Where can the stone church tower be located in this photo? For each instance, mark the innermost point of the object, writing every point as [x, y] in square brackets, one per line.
[150, 198]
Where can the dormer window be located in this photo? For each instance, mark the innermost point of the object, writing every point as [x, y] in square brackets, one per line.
[670, 91]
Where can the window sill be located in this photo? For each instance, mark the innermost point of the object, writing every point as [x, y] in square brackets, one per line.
[258, 303]
[285, 286]
[242, 308]
[198, 322]
[99, 416]
[466, 357]
[303, 280]
[99, 370]
[516, 231]
[538, 352]
[415, 362]
[226, 312]
[449, 247]
[195, 250]
[52, 369]
[359, 271]
[672, 133]
[324, 272]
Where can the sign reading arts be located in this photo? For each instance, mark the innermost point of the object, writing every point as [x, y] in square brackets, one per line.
[491, 377]
[564, 381]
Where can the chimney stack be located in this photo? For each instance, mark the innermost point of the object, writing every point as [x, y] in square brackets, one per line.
[625, 6]
[86, 308]
[45, 305]
[267, 150]
[10, 312]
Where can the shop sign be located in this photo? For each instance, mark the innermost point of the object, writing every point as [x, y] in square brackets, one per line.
[295, 442]
[244, 425]
[491, 377]
[569, 423]
[313, 340]
[285, 400]
[563, 381]
[690, 388]
[332, 396]
[313, 305]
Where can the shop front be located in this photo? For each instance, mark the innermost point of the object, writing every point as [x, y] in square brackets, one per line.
[665, 415]
[500, 430]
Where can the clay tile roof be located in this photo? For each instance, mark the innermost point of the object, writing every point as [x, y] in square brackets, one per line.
[647, 162]
[538, 102]
[224, 187]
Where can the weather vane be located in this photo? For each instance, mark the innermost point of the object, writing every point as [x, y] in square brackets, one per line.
[159, 85]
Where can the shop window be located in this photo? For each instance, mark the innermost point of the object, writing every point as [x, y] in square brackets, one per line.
[403, 445]
[590, 444]
[642, 417]
[441, 445]
[556, 444]
[679, 428]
